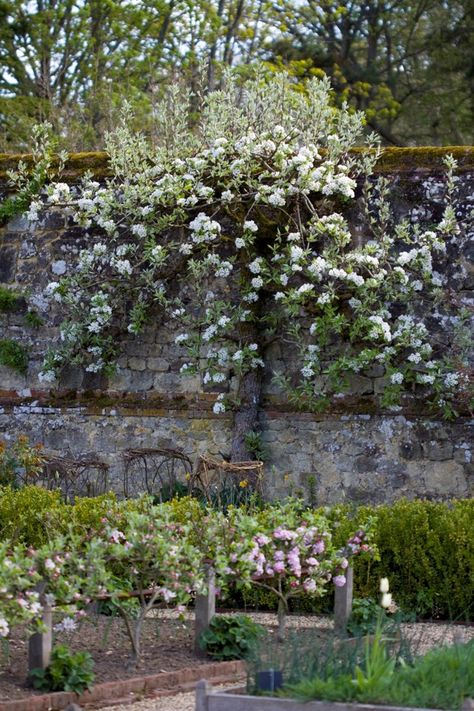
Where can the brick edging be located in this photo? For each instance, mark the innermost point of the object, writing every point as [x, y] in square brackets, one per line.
[108, 692]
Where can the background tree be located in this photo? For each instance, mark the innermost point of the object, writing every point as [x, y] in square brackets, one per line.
[406, 63]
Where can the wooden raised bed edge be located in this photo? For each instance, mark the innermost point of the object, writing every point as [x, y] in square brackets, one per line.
[234, 700]
[161, 684]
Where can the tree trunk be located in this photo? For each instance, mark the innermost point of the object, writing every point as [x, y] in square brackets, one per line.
[282, 613]
[246, 415]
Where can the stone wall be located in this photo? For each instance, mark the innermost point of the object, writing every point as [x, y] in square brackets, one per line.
[356, 452]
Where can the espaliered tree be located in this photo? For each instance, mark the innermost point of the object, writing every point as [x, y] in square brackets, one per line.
[234, 233]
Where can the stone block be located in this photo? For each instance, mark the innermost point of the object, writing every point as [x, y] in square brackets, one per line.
[359, 385]
[136, 363]
[10, 379]
[94, 381]
[52, 220]
[28, 249]
[166, 382]
[141, 380]
[364, 464]
[410, 450]
[375, 371]
[71, 377]
[438, 451]
[19, 223]
[160, 365]
[138, 348]
[380, 384]
[7, 264]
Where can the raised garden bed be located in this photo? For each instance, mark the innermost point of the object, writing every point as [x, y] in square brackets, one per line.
[236, 700]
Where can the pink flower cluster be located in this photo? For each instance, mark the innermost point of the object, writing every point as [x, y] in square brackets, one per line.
[357, 544]
[296, 555]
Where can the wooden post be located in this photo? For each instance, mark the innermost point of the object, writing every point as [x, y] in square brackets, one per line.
[343, 602]
[202, 690]
[41, 643]
[205, 609]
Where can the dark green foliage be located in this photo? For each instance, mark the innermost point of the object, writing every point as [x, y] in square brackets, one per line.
[10, 300]
[231, 637]
[171, 490]
[443, 678]
[13, 355]
[255, 444]
[364, 616]
[32, 319]
[11, 207]
[427, 552]
[67, 672]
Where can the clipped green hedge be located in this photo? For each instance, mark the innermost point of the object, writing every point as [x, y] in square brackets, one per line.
[427, 552]
[426, 548]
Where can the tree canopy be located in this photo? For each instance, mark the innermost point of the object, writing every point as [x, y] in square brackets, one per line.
[407, 63]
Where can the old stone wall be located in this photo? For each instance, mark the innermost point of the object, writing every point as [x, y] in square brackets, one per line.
[356, 452]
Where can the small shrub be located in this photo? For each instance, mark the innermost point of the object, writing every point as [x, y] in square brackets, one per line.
[66, 672]
[32, 319]
[13, 355]
[426, 550]
[10, 300]
[364, 616]
[443, 678]
[30, 515]
[231, 637]
[19, 457]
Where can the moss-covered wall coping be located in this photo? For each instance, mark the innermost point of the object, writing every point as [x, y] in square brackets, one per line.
[392, 160]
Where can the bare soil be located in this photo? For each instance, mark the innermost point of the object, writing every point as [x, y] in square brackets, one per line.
[167, 646]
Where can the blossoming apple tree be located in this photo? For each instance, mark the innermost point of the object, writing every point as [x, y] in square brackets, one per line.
[234, 232]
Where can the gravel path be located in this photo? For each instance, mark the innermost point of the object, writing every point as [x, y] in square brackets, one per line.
[178, 702]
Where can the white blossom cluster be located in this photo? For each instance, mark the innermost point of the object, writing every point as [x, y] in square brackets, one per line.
[245, 223]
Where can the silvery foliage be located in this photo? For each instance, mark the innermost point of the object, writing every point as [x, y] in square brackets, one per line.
[234, 234]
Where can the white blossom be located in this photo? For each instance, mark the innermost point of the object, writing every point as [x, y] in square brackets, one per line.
[277, 198]
[256, 266]
[250, 226]
[451, 380]
[68, 624]
[257, 282]
[47, 376]
[4, 628]
[219, 405]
